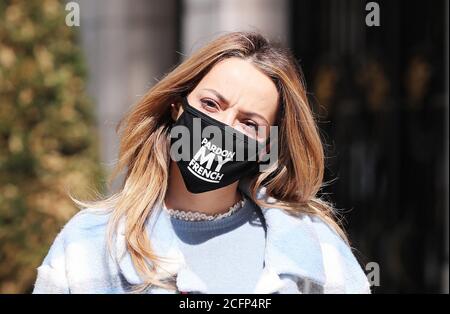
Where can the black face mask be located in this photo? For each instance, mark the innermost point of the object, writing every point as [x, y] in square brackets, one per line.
[216, 157]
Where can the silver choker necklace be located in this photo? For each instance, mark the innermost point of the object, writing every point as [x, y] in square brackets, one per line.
[199, 216]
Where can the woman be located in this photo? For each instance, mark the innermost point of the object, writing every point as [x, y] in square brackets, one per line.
[192, 217]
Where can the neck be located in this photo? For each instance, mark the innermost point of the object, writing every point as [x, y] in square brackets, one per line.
[210, 203]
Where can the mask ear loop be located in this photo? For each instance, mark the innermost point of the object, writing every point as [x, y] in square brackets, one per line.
[184, 102]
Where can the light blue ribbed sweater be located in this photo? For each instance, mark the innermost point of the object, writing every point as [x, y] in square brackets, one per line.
[228, 253]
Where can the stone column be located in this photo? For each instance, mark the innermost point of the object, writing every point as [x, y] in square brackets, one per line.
[129, 45]
[204, 20]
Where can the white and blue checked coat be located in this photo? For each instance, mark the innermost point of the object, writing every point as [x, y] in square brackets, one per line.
[301, 248]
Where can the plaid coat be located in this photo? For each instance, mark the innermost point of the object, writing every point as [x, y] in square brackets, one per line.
[303, 248]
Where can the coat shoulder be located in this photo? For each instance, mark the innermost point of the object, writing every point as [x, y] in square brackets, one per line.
[77, 251]
[87, 223]
[342, 268]
[343, 272]
[85, 227]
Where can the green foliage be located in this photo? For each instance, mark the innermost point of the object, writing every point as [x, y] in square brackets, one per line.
[48, 140]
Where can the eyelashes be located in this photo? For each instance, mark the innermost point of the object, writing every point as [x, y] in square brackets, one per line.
[209, 104]
[212, 106]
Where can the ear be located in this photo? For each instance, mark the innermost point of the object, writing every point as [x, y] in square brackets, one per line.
[175, 110]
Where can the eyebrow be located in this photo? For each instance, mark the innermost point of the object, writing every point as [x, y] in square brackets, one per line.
[224, 100]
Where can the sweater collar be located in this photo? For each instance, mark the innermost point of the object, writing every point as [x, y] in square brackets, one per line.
[292, 248]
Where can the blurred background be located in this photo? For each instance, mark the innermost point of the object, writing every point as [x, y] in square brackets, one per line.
[380, 93]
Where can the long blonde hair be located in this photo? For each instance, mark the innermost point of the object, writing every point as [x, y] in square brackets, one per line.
[144, 147]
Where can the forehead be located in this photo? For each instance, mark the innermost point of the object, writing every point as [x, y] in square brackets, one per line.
[243, 85]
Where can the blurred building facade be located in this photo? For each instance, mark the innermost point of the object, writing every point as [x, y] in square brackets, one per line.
[380, 94]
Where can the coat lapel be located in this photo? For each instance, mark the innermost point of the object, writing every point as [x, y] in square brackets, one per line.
[292, 245]
[164, 244]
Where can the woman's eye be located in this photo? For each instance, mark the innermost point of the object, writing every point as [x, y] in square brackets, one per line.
[251, 125]
[209, 105]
